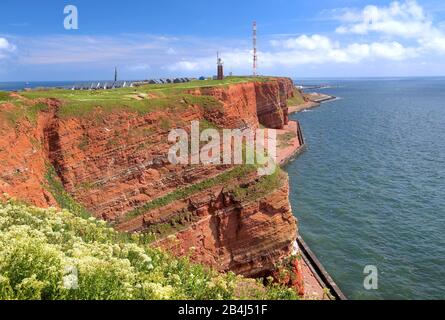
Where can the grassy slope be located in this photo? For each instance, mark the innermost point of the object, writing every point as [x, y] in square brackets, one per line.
[296, 100]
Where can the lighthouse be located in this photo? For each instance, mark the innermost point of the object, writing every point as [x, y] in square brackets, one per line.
[220, 65]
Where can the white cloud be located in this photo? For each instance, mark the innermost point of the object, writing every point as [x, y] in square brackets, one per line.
[435, 40]
[139, 67]
[407, 20]
[128, 49]
[6, 47]
[392, 51]
[318, 47]
[398, 24]
[314, 49]
[314, 42]
[186, 66]
[171, 51]
[236, 58]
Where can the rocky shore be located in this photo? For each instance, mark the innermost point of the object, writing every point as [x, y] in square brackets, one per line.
[312, 100]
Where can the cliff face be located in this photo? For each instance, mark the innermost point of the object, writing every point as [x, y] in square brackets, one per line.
[23, 157]
[253, 103]
[223, 230]
[247, 238]
[116, 163]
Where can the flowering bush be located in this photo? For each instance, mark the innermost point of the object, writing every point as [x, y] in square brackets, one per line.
[51, 254]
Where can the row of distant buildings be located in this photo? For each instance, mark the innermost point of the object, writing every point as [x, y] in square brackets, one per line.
[127, 84]
[103, 85]
[164, 81]
[130, 84]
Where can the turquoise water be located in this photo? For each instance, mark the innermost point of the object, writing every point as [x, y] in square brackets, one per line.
[370, 189]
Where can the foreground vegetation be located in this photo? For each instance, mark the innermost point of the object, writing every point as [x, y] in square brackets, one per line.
[51, 254]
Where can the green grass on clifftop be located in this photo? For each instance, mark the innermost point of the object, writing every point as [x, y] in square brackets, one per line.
[296, 100]
[74, 106]
[55, 255]
[142, 99]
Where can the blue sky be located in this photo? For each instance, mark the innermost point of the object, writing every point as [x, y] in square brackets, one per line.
[148, 39]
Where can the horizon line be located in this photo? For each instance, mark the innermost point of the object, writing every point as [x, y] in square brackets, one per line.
[293, 78]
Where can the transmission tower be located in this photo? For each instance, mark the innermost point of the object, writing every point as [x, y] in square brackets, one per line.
[255, 53]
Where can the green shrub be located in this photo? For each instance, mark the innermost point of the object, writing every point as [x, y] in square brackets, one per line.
[4, 96]
[63, 198]
[259, 189]
[296, 100]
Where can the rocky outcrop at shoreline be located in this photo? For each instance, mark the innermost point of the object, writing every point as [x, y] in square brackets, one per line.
[311, 100]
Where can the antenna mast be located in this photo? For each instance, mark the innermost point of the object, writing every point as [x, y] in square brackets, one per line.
[255, 55]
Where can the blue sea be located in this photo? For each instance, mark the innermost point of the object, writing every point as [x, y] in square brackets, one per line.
[370, 189]
[21, 85]
[16, 86]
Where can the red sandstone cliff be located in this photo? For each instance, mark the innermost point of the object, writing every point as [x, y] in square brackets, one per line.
[115, 163]
[253, 103]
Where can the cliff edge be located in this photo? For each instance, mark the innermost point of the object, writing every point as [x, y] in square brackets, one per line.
[105, 153]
